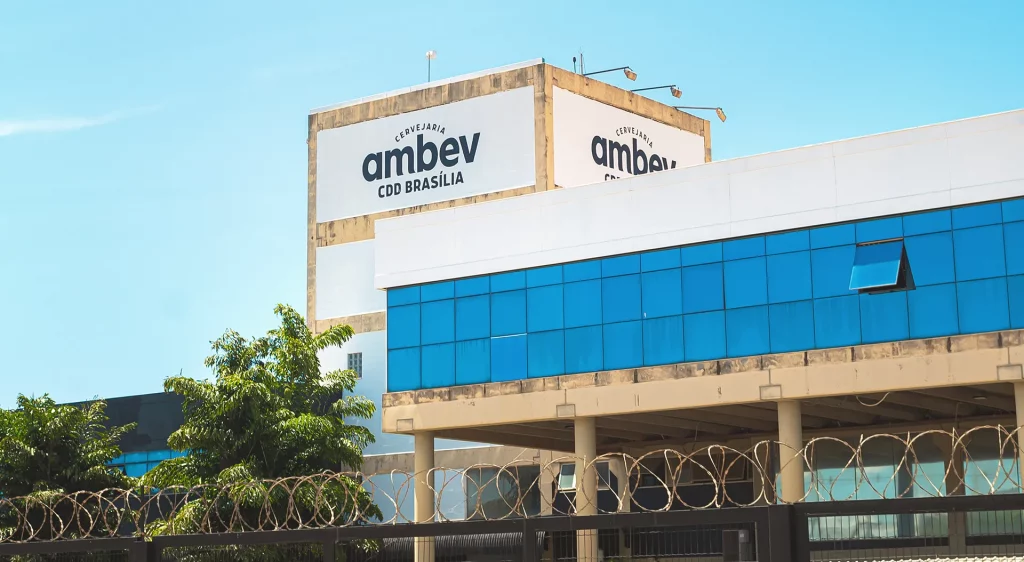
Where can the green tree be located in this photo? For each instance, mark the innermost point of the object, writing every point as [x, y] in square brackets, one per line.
[268, 414]
[49, 450]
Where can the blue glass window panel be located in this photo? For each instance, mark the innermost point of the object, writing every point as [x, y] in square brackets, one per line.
[927, 223]
[438, 365]
[472, 317]
[438, 322]
[581, 271]
[1013, 234]
[746, 331]
[544, 308]
[404, 326]
[620, 298]
[135, 470]
[797, 241]
[472, 286]
[472, 361]
[117, 460]
[542, 276]
[977, 215]
[136, 457]
[546, 354]
[151, 466]
[508, 281]
[701, 254]
[623, 345]
[508, 358]
[931, 258]
[159, 455]
[1013, 210]
[746, 283]
[704, 336]
[978, 253]
[983, 305]
[508, 313]
[837, 321]
[583, 350]
[880, 229]
[876, 266]
[437, 291]
[662, 293]
[404, 295]
[1015, 288]
[791, 326]
[582, 303]
[404, 369]
[621, 265]
[830, 271]
[663, 341]
[703, 288]
[883, 317]
[933, 311]
[789, 277]
[661, 259]
[830, 236]
[743, 248]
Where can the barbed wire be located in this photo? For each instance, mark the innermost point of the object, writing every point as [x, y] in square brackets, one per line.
[876, 466]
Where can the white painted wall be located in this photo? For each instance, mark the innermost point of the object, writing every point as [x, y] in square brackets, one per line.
[344, 281]
[955, 163]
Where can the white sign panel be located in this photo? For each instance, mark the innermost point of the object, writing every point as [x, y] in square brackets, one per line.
[465, 148]
[595, 142]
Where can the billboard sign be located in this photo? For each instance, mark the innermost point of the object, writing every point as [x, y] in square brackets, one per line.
[595, 142]
[460, 149]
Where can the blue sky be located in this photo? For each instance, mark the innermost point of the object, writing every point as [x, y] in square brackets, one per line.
[153, 157]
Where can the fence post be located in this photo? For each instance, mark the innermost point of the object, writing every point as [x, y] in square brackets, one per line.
[143, 551]
[775, 535]
[529, 541]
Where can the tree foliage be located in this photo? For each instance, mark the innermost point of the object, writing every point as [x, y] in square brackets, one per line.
[46, 447]
[269, 413]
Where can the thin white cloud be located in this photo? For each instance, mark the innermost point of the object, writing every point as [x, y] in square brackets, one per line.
[63, 124]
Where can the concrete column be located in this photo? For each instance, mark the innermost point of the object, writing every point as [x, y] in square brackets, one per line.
[586, 486]
[791, 444]
[1018, 395]
[424, 503]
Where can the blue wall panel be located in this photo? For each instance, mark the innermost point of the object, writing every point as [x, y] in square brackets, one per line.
[792, 326]
[508, 358]
[583, 349]
[620, 298]
[703, 288]
[472, 317]
[623, 345]
[662, 293]
[404, 369]
[837, 321]
[784, 292]
[933, 311]
[789, 277]
[983, 305]
[746, 283]
[1015, 291]
[544, 308]
[438, 364]
[508, 313]
[472, 361]
[582, 303]
[437, 322]
[884, 317]
[704, 336]
[979, 253]
[663, 340]
[746, 331]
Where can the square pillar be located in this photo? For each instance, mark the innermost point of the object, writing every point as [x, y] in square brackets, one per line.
[586, 486]
[791, 445]
[424, 502]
